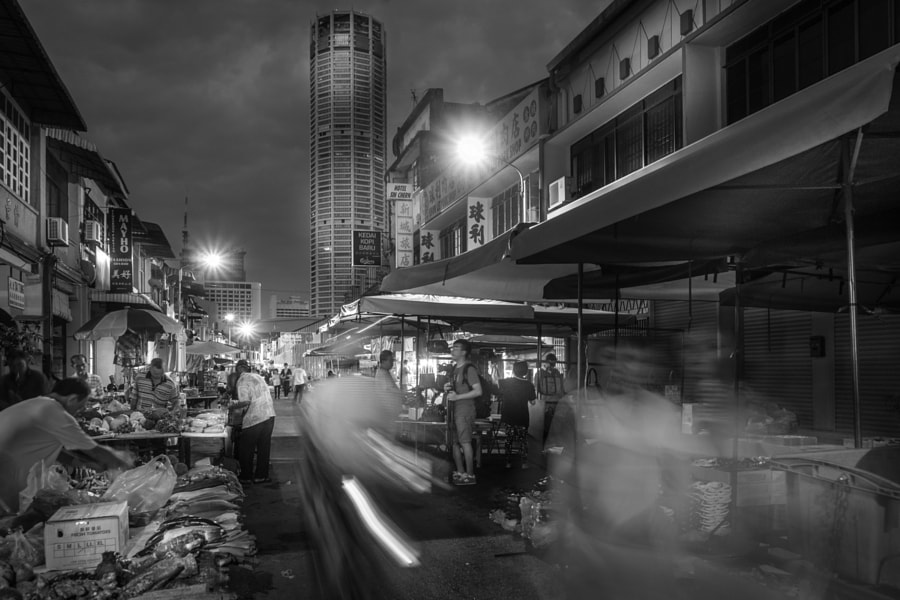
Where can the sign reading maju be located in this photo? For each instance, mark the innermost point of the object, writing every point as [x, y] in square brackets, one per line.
[366, 248]
[121, 277]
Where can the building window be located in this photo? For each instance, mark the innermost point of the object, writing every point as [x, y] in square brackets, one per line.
[803, 45]
[646, 132]
[15, 149]
[453, 240]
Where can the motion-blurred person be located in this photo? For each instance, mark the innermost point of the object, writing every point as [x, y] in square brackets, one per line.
[550, 387]
[221, 381]
[516, 393]
[154, 390]
[37, 429]
[462, 389]
[275, 379]
[257, 426]
[22, 382]
[299, 379]
[79, 367]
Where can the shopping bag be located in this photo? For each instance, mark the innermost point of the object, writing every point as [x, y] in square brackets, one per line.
[43, 476]
[145, 488]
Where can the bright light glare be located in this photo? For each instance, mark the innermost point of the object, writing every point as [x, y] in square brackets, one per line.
[245, 329]
[471, 149]
[229, 317]
[213, 260]
[378, 525]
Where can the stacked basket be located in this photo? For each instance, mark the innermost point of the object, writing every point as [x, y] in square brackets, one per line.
[710, 500]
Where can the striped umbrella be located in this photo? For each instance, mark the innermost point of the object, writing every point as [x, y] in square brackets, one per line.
[117, 322]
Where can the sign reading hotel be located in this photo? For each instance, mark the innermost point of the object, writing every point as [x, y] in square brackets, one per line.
[478, 222]
[121, 276]
[366, 248]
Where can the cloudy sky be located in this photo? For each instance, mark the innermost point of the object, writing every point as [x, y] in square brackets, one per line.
[208, 99]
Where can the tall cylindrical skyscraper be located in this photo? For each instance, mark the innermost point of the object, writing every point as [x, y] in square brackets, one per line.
[347, 74]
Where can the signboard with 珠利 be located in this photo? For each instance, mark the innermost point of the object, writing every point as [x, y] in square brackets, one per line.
[478, 222]
[366, 248]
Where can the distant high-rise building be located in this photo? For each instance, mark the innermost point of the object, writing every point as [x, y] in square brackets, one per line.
[347, 145]
[292, 307]
[243, 299]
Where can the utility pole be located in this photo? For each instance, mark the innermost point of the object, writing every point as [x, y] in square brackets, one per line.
[49, 265]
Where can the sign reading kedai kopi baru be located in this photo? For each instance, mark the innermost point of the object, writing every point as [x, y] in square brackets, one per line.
[366, 248]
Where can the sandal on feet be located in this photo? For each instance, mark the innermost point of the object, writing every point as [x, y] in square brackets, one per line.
[466, 479]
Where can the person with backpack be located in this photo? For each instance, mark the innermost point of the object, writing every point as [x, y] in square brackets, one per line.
[462, 389]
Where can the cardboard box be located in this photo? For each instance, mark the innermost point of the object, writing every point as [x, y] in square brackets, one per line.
[76, 537]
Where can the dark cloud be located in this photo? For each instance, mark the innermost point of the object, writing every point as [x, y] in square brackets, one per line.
[209, 98]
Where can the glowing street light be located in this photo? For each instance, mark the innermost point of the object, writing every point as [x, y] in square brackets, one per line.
[471, 150]
[212, 260]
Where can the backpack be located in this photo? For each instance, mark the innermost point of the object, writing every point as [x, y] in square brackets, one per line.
[483, 402]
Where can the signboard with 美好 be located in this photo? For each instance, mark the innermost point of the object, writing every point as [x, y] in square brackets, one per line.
[121, 277]
[366, 248]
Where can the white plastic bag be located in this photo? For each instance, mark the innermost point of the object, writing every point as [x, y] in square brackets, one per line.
[145, 488]
[43, 475]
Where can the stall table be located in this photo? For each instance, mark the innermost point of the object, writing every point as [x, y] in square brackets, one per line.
[183, 440]
[436, 433]
[206, 399]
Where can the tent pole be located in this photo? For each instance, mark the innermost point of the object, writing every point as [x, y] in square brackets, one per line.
[581, 348]
[418, 333]
[402, 348]
[851, 273]
[738, 359]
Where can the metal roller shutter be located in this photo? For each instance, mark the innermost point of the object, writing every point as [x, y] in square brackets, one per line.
[879, 374]
[777, 366]
[699, 321]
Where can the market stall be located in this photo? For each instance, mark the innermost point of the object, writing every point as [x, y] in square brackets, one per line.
[148, 530]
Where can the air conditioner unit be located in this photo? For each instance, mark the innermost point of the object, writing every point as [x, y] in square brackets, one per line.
[57, 231]
[558, 193]
[92, 232]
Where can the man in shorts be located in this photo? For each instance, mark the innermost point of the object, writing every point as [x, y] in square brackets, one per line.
[462, 390]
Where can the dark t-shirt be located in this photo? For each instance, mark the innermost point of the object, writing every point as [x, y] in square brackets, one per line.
[31, 385]
[515, 394]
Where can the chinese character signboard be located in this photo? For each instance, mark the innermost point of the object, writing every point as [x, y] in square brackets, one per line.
[16, 290]
[478, 222]
[429, 245]
[403, 232]
[366, 248]
[120, 263]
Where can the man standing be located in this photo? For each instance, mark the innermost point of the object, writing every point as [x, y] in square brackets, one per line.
[286, 377]
[154, 390]
[79, 364]
[462, 390]
[299, 380]
[22, 382]
[548, 382]
[257, 425]
[37, 429]
[387, 394]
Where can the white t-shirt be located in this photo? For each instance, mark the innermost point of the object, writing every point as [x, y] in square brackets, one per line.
[300, 377]
[31, 431]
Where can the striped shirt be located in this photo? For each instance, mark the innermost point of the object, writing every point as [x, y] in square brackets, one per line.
[150, 397]
[94, 382]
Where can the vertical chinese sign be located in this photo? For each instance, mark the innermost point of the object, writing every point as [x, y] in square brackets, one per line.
[478, 222]
[401, 196]
[429, 245]
[120, 250]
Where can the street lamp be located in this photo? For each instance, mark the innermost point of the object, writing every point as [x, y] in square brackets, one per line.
[471, 150]
[230, 319]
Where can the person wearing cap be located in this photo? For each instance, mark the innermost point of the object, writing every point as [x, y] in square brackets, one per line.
[257, 424]
[154, 390]
[549, 384]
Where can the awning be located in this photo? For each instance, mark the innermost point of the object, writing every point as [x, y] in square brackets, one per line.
[29, 73]
[484, 272]
[136, 299]
[766, 178]
[84, 159]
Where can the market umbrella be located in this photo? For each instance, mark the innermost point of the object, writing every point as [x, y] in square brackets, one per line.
[117, 322]
[210, 347]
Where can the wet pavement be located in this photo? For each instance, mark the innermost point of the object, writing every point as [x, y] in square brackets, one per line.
[466, 555]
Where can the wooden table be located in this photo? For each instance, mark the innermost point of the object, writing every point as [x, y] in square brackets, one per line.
[183, 440]
[206, 399]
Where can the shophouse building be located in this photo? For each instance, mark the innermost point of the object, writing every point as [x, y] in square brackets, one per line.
[722, 141]
[348, 78]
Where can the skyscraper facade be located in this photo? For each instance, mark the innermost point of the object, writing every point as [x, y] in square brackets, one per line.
[347, 147]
